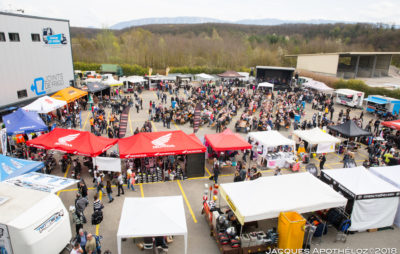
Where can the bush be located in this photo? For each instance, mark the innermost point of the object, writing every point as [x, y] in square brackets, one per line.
[135, 69]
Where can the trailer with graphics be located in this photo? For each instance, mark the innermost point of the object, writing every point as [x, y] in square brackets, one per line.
[38, 54]
[32, 221]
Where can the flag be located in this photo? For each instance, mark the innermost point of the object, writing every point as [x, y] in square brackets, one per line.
[150, 71]
[3, 137]
[167, 71]
[196, 119]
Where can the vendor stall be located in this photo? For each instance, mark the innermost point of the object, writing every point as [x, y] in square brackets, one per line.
[324, 142]
[12, 167]
[318, 86]
[390, 175]
[164, 151]
[152, 217]
[73, 141]
[44, 105]
[392, 124]
[69, 94]
[349, 98]
[275, 148]
[382, 105]
[22, 122]
[372, 202]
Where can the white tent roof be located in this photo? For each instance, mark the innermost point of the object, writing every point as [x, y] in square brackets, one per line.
[133, 79]
[303, 193]
[316, 136]
[204, 76]
[154, 216]
[313, 84]
[360, 181]
[45, 104]
[271, 139]
[390, 174]
[347, 91]
[266, 84]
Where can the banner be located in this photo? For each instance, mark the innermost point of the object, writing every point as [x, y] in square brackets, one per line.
[3, 137]
[326, 148]
[41, 182]
[196, 119]
[108, 164]
[150, 71]
[167, 71]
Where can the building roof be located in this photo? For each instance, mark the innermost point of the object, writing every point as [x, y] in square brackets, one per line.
[348, 54]
[32, 17]
[276, 68]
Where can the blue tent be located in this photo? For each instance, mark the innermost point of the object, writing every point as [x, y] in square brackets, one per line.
[21, 121]
[12, 167]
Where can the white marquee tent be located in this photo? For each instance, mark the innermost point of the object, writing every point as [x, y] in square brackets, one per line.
[319, 86]
[391, 175]
[266, 84]
[154, 216]
[303, 193]
[203, 76]
[45, 104]
[326, 143]
[271, 139]
[133, 79]
[372, 201]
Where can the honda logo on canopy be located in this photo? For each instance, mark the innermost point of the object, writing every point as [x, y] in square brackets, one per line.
[64, 140]
[161, 141]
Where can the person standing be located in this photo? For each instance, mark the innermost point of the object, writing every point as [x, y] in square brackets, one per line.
[77, 219]
[128, 177]
[332, 111]
[90, 244]
[322, 160]
[77, 249]
[120, 184]
[216, 170]
[132, 181]
[109, 191]
[97, 204]
[81, 238]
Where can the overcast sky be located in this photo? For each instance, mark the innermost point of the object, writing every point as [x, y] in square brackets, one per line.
[104, 13]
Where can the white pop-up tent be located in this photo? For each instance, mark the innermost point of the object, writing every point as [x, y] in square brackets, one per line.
[266, 84]
[133, 79]
[44, 105]
[203, 76]
[326, 143]
[271, 139]
[372, 201]
[303, 193]
[32, 221]
[154, 216]
[391, 175]
[108, 164]
[319, 86]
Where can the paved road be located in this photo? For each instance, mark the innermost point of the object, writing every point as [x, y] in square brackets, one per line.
[199, 240]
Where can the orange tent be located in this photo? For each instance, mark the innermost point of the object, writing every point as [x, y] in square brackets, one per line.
[69, 94]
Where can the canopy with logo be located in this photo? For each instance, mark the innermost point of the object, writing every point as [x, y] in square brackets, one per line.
[12, 167]
[73, 141]
[94, 87]
[22, 121]
[392, 124]
[45, 104]
[227, 140]
[69, 94]
[151, 144]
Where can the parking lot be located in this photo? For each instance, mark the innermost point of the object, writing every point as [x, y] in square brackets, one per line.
[192, 189]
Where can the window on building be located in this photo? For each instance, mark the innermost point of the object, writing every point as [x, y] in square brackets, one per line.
[13, 36]
[22, 94]
[35, 37]
[2, 37]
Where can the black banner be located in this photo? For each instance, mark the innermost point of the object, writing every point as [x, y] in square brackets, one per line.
[196, 119]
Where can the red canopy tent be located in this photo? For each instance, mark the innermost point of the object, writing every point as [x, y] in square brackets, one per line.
[392, 124]
[227, 140]
[152, 144]
[73, 141]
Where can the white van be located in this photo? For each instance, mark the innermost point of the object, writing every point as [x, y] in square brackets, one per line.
[349, 98]
[32, 222]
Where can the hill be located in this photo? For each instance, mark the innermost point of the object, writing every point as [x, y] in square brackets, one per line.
[227, 46]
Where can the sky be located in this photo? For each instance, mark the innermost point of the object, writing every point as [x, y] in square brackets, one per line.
[105, 13]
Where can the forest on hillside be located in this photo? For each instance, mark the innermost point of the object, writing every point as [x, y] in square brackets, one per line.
[226, 46]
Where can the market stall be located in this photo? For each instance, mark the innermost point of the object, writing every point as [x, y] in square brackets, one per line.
[12, 167]
[390, 175]
[350, 130]
[392, 124]
[151, 217]
[319, 86]
[372, 202]
[22, 122]
[317, 140]
[163, 154]
[73, 141]
[44, 105]
[204, 76]
[225, 143]
[275, 148]
[94, 87]
[349, 97]
[69, 94]
[382, 105]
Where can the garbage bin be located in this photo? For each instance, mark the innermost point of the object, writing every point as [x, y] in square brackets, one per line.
[291, 231]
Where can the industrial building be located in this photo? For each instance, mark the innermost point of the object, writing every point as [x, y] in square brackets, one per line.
[347, 65]
[36, 57]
